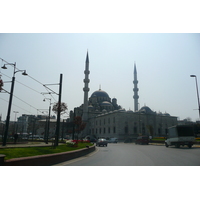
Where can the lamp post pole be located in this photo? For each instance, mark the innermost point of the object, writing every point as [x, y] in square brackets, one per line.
[58, 113]
[8, 113]
[197, 92]
[48, 122]
[10, 100]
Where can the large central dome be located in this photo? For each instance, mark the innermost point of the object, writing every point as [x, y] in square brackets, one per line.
[100, 93]
[100, 101]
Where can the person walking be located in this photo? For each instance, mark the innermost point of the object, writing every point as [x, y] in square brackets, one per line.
[15, 137]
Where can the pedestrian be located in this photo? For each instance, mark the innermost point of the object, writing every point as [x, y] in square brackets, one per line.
[15, 137]
[150, 138]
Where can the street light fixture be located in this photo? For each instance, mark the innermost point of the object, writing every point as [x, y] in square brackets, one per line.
[48, 123]
[194, 76]
[10, 99]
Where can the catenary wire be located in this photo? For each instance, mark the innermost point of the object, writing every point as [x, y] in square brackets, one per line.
[16, 106]
[47, 88]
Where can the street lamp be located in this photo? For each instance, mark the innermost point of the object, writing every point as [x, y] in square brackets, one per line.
[197, 92]
[10, 99]
[15, 114]
[48, 123]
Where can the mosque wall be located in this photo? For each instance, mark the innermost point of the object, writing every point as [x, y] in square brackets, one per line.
[126, 124]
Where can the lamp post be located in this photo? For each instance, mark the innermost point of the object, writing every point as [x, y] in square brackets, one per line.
[58, 113]
[58, 110]
[10, 99]
[197, 92]
[48, 123]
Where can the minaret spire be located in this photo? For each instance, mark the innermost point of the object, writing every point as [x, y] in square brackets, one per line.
[135, 89]
[86, 89]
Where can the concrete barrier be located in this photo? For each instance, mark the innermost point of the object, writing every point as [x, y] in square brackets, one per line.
[49, 159]
[2, 156]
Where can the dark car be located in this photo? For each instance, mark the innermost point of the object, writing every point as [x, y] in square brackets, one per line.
[101, 142]
[142, 140]
[93, 140]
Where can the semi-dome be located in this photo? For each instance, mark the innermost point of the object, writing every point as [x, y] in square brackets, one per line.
[100, 93]
[106, 103]
[146, 110]
[166, 114]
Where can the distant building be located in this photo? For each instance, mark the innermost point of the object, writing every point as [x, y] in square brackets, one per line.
[105, 118]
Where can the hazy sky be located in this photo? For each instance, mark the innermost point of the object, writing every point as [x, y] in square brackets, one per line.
[164, 61]
[164, 64]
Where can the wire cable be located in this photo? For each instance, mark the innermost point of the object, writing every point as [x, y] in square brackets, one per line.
[17, 106]
[47, 88]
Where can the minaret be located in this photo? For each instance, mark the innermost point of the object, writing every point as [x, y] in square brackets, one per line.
[135, 89]
[86, 89]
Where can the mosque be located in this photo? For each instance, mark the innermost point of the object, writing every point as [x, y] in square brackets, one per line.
[104, 118]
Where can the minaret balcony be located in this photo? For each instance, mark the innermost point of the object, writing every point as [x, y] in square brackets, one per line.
[86, 89]
[86, 72]
[86, 80]
[136, 96]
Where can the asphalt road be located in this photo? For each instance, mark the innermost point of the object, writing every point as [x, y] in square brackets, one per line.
[129, 154]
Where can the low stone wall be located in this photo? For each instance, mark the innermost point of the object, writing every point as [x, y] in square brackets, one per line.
[50, 159]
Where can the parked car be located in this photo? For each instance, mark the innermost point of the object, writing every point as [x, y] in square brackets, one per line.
[93, 140]
[113, 140]
[101, 142]
[142, 140]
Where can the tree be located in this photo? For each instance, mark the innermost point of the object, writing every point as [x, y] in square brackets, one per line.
[62, 107]
[80, 125]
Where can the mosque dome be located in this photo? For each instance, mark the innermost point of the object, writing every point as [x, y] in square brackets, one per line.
[100, 93]
[106, 103]
[166, 114]
[146, 110]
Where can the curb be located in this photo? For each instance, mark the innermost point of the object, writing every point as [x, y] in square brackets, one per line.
[49, 159]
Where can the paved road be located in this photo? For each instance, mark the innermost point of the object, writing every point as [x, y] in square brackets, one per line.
[129, 154]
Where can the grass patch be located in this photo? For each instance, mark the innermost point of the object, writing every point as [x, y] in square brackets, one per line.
[34, 151]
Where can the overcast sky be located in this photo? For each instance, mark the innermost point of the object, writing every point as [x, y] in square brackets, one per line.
[164, 64]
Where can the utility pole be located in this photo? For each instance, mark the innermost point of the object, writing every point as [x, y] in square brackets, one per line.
[58, 113]
[197, 93]
[8, 113]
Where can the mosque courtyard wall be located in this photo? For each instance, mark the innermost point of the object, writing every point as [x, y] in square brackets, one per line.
[128, 125]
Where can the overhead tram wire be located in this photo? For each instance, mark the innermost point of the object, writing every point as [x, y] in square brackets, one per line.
[47, 88]
[22, 84]
[17, 106]
[19, 98]
[25, 102]
[32, 78]
[32, 88]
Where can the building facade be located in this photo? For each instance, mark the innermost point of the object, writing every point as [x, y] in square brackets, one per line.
[124, 124]
[105, 118]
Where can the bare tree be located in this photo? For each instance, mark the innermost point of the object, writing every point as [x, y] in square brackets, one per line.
[63, 107]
